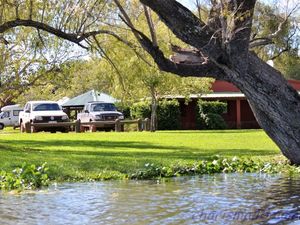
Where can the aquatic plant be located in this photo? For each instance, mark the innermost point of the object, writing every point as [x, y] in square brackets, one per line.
[216, 165]
[26, 177]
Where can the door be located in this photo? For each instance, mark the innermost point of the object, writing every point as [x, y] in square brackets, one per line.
[6, 118]
[26, 114]
[15, 117]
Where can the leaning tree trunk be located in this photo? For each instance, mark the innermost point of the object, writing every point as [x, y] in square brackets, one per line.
[222, 52]
[276, 105]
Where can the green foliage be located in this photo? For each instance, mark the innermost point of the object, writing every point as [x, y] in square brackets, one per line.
[214, 107]
[266, 21]
[168, 113]
[141, 110]
[213, 121]
[289, 64]
[27, 177]
[209, 115]
[216, 165]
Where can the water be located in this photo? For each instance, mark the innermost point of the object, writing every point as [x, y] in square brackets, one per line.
[218, 199]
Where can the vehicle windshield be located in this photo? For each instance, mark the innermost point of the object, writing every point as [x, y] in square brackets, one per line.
[46, 107]
[99, 107]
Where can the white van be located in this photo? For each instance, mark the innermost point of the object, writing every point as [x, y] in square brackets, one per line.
[9, 116]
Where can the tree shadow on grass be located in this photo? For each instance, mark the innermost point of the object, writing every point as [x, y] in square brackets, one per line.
[124, 149]
[212, 131]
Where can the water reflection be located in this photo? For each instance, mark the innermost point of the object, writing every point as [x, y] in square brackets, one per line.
[219, 199]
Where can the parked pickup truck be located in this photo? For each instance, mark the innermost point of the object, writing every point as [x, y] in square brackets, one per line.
[43, 113]
[100, 111]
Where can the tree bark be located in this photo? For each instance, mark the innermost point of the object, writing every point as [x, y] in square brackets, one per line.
[154, 102]
[276, 105]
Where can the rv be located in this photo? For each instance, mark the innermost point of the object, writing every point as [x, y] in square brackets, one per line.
[9, 116]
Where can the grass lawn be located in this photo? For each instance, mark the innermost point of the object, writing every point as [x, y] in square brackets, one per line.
[79, 155]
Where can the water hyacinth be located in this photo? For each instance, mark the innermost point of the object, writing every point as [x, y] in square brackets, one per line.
[27, 177]
[216, 165]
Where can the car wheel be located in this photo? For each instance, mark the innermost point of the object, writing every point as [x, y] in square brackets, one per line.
[1, 126]
[33, 129]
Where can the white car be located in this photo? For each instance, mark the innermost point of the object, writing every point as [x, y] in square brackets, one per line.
[43, 112]
[100, 111]
[9, 116]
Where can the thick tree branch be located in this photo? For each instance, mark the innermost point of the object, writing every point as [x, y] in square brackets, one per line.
[242, 12]
[150, 25]
[185, 25]
[72, 37]
[204, 68]
[41, 26]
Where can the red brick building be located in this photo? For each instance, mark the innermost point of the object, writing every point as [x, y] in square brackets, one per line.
[238, 114]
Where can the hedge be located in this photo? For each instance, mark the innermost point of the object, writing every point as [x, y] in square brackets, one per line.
[168, 113]
[209, 115]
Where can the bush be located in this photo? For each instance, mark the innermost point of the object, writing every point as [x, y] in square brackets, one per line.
[168, 113]
[125, 111]
[214, 107]
[209, 115]
[213, 121]
[141, 110]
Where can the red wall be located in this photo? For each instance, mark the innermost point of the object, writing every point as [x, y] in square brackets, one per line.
[189, 111]
[230, 115]
[188, 114]
[248, 121]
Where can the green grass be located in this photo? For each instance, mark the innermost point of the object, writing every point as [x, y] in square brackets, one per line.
[74, 156]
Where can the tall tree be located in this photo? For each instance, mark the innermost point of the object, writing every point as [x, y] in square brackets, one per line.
[220, 47]
[283, 50]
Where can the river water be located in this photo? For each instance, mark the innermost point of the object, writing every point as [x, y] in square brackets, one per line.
[216, 199]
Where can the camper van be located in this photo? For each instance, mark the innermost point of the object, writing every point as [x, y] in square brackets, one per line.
[9, 116]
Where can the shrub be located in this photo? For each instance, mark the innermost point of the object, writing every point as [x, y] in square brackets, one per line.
[209, 115]
[141, 110]
[214, 107]
[126, 112]
[214, 121]
[168, 113]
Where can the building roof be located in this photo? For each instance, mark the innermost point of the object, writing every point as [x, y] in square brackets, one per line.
[89, 96]
[225, 90]
[224, 86]
[209, 95]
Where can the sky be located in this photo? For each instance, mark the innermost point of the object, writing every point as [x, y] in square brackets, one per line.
[282, 4]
